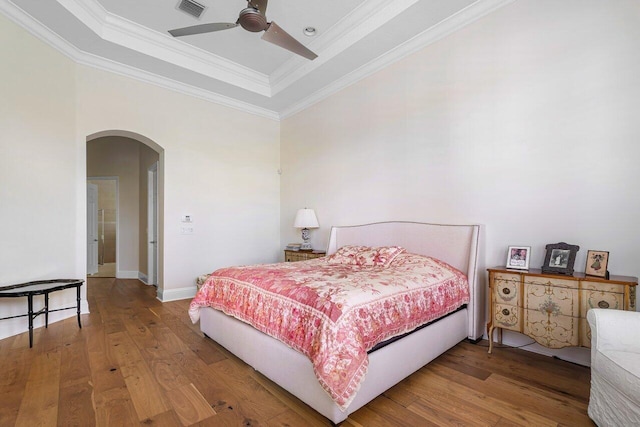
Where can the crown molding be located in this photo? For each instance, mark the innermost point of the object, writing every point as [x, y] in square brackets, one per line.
[361, 22]
[95, 61]
[131, 35]
[437, 32]
[34, 27]
[349, 30]
[24, 20]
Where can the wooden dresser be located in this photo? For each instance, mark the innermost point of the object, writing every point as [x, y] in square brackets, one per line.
[292, 256]
[552, 309]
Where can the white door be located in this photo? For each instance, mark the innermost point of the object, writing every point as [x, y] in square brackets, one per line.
[152, 225]
[92, 228]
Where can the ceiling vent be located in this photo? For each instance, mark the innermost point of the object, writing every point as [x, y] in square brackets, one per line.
[191, 7]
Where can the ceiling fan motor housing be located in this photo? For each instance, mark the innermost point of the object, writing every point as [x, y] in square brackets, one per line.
[252, 20]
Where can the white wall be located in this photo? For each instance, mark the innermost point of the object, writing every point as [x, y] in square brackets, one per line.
[219, 165]
[37, 173]
[525, 121]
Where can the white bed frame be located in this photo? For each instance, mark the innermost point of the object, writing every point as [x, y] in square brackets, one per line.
[457, 245]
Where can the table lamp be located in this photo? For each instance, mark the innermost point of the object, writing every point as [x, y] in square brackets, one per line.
[306, 219]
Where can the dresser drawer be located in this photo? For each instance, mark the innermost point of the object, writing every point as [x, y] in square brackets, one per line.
[293, 256]
[507, 316]
[507, 277]
[593, 298]
[547, 281]
[597, 299]
[551, 299]
[506, 288]
[551, 330]
[603, 287]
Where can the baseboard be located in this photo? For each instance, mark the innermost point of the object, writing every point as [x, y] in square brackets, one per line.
[127, 274]
[577, 355]
[166, 295]
[143, 278]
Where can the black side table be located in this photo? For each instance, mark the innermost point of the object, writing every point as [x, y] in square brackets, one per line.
[43, 287]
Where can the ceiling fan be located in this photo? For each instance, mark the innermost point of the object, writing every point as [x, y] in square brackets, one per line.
[253, 19]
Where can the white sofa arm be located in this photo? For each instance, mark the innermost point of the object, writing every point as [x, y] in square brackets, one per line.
[614, 330]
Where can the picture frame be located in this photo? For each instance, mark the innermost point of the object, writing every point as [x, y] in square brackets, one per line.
[597, 262]
[518, 257]
[560, 258]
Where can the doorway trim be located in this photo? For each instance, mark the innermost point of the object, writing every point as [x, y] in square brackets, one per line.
[117, 207]
[93, 236]
[152, 225]
[158, 149]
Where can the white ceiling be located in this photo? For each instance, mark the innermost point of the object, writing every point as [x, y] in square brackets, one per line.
[236, 67]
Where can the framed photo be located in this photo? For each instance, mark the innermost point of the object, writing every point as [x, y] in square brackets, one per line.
[560, 258]
[597, 263]
[518, 257]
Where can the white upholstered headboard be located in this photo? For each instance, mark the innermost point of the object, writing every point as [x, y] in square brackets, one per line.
[457, 245]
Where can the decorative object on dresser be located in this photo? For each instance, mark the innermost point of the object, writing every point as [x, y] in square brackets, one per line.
[597, 262]
[550, 308]
[306, 219]
[560, 258]
[518, 257]
[299, 255]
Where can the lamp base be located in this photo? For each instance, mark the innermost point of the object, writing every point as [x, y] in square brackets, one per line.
[306, 246]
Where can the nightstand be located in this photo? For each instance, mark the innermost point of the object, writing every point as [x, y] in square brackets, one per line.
[552, 309]
[292, 256]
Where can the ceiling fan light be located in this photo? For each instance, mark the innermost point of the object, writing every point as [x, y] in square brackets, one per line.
[309, 31]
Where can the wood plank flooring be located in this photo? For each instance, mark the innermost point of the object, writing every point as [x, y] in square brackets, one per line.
[137, 361]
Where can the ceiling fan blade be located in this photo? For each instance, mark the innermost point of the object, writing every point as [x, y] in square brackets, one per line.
[261, 5]
[202, 28]
[280, 37]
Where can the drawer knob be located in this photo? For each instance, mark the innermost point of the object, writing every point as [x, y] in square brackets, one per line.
[506, 291]
[505, 312]
[603, 304]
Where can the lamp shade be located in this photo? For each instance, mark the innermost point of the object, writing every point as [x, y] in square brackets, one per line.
[306, 218]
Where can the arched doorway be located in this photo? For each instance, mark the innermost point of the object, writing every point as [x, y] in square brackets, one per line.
[139, 163]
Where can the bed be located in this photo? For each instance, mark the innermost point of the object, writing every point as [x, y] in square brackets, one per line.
[456, 245]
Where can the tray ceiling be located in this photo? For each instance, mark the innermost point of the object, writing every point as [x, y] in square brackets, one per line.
[235, 67]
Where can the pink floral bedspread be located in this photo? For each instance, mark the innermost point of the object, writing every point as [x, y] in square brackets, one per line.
[335, 313]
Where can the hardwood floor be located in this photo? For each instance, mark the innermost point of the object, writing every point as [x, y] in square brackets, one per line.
[137, 361]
